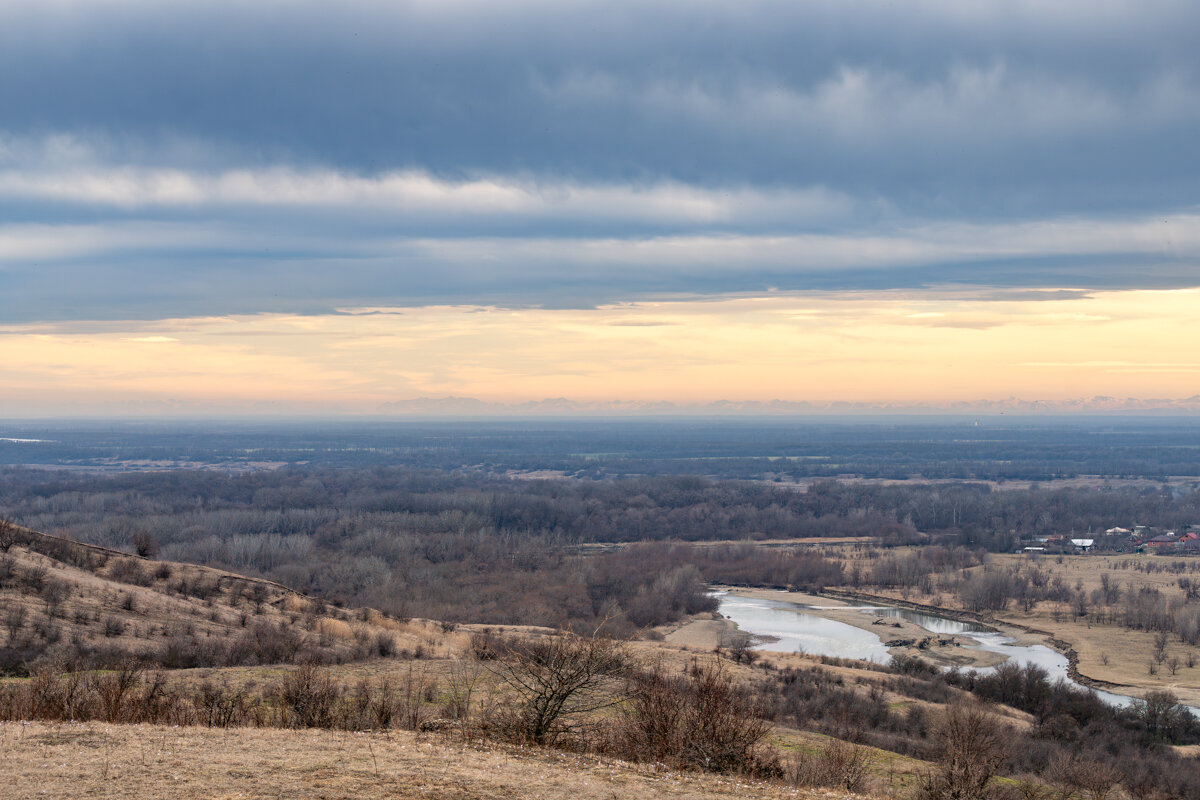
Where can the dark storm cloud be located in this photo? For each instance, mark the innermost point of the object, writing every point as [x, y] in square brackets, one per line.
[193, 154]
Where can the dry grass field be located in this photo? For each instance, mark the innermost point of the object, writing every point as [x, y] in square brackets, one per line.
[1111, 652]
[73, 760]
[1107, 650]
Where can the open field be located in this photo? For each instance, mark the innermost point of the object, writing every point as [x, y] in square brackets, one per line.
[1128, 653]
[78, 760]
[1106, 649]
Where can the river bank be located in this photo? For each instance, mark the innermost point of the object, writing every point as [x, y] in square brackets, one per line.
[862, 626]
[1025, 634]
[900, 637]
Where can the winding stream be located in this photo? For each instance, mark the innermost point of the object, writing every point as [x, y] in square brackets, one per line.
[792, 630]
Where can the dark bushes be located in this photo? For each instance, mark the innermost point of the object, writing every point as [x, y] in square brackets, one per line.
[306, 697]
[701, 720]
[128, 570]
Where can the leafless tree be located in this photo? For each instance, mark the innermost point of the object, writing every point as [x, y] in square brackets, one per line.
[144, 544]
[14, 620]
[556, 679]
[8, 535]
[1160, 646]
[1076, 777]
[462, 683]
[970, 751]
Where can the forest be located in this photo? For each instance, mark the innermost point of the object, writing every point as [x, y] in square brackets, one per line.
[465, 545]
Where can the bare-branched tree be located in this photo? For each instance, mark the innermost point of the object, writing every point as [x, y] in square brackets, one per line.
[970, 751]
[8, 535]
[557, 679]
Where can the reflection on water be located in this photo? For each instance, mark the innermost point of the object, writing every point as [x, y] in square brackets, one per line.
[1054, 662]
[931, 623]
[792, 631]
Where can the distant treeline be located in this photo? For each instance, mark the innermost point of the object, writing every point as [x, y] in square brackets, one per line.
[472, 546]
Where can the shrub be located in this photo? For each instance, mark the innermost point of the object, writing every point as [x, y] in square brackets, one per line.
[701, 720]
[8, 535]
[221, 707]
[131, 571]
[113, 690]
[308, 697]
[839, 765]
[144, 544]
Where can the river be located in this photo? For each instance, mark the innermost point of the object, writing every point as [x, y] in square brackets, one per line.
[793, 630]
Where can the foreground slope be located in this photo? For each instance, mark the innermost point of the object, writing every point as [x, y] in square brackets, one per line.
[76, 760]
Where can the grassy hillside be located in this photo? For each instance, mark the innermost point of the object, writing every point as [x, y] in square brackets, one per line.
[79, 605]
[135, 677]
[110, 761]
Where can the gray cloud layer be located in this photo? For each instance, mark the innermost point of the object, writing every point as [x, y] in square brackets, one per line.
[207, 157]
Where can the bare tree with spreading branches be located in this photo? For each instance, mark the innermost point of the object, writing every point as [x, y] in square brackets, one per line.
[970, 751]
[556, 679]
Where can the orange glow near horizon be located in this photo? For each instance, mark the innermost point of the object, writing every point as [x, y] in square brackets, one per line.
[887, 347]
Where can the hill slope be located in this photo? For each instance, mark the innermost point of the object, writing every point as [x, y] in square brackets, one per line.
[80, 605]
[109, 761]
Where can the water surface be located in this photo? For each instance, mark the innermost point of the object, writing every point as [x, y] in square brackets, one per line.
[791, 630]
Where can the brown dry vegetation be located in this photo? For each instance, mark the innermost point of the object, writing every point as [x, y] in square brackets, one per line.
[787, 718]
[62, 601]
[93, 760]
[1107, 650]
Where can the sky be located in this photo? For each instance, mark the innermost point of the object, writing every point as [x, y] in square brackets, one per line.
[387, 207]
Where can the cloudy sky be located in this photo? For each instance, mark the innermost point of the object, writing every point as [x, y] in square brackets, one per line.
[299, 206]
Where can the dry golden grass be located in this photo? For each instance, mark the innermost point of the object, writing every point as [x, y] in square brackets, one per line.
[137, 761]
[1128, 652]
[97, 610]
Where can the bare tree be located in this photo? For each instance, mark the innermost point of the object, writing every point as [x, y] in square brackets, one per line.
[8, 535]
[556, 679]
[54, 592]
[461, 685]
[1074, 776]
[144, 544]
[970, 751]
[14, 620]
[1160, 646]
[738, 644]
